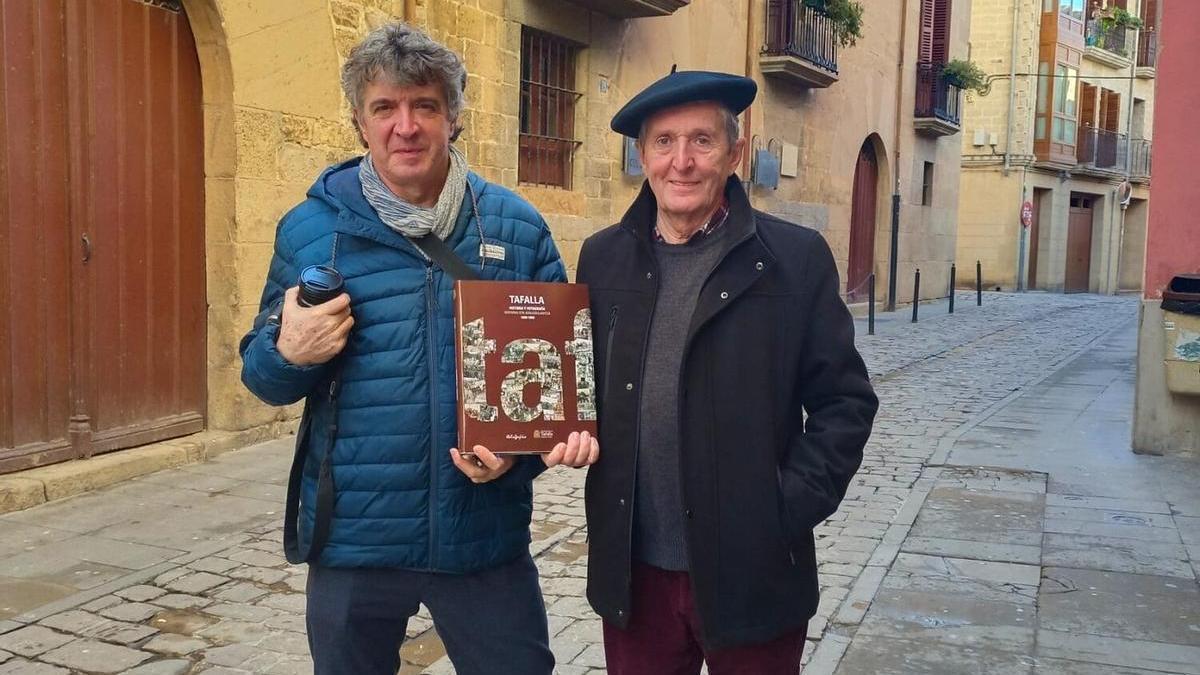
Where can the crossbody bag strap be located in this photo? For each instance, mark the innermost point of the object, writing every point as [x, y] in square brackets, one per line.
[444, 257]
[295, 551]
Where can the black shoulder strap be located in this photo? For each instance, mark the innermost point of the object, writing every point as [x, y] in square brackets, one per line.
[293, 550]
[444, 257]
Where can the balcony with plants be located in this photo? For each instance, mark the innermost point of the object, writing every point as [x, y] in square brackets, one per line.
[940, 87]
[803, 36]
[1110, 37]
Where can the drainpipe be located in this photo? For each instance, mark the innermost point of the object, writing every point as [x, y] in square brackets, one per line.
[893, 262]
[1012, 89]
[1116, 287]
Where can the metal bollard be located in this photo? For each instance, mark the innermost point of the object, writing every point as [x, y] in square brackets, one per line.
[978, 284]
[916, 293]
[951, 288]
[871, 306]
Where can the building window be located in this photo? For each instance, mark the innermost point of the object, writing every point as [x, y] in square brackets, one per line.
[1066, 108]
[927, 185]
[548, 99]
[1071, 8]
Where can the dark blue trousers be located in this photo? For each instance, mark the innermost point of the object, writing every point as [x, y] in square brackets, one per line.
[490, 622]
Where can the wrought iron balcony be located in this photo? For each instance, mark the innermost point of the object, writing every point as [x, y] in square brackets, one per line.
[1101, 149]
[1108, 46]
[1147, 53]
[801, 44]
[938, 104]
[632, 9]
[1139, 159]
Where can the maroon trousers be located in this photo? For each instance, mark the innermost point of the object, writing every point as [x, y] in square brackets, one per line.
[663, 636]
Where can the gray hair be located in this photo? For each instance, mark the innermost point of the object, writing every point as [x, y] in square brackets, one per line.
[405, 56]
[733, 130]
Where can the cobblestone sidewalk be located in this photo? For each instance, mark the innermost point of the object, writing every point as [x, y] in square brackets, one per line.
[216, 596]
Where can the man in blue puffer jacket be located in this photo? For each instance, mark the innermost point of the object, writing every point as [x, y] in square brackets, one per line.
[407, 519]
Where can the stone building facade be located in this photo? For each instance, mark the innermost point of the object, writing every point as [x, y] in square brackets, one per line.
[857, 142]
[1065, 128]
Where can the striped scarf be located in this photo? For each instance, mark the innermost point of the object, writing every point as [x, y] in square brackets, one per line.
[411, 220]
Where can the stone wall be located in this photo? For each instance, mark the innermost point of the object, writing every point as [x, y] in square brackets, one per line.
[274, 118]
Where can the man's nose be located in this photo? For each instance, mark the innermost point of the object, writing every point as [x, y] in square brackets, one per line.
[681, 155]
[405, 123]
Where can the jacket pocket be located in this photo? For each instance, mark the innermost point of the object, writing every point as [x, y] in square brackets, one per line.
[608, 346]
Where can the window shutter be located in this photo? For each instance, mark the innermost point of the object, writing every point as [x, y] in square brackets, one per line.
[940, 48]
[1150, 14]
[925, 43]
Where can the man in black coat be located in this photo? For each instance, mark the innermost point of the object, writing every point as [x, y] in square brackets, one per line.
[734, 405]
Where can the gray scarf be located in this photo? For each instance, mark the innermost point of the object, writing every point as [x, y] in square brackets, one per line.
[411, 220]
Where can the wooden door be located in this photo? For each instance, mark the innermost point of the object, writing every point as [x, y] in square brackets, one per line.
[862, 223]
[1079, 246]
[1034, 236]
[35, 246]
[125, 333]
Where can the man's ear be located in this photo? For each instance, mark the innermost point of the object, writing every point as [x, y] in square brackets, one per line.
[358, 129]
[738, 151]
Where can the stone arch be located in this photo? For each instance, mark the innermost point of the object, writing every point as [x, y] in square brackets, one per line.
[220, 168]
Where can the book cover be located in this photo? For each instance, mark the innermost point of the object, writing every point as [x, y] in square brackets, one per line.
[526, 377]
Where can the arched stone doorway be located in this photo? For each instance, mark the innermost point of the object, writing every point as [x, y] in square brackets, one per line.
[863, 209]
[103, 341]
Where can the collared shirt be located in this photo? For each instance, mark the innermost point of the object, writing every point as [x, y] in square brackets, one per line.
[718, 219]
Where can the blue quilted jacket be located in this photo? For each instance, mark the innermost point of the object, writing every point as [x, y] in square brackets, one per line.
[399, 501]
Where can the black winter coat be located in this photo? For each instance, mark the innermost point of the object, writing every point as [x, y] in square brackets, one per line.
[775, 408]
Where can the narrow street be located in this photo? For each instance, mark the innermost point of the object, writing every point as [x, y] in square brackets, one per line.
[1000, 524]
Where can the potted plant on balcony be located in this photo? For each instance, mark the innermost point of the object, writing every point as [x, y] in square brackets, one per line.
[1108, 20]
[845, 15]
[964, 74]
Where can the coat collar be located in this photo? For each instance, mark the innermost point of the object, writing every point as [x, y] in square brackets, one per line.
[644, 211]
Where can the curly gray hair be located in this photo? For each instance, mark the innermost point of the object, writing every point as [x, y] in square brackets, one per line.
[405, 56]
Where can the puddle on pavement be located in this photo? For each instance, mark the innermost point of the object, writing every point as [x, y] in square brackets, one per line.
[20, 596]
[420, 652]
[180, 621]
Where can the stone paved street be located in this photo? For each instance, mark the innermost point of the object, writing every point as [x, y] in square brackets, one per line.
[999, 524]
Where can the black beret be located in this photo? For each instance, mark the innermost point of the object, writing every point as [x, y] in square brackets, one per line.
[687, 86]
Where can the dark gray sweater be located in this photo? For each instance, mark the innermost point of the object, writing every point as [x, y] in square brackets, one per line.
[658, 499]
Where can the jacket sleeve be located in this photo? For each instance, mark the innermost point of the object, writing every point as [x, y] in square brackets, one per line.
[547, 266]
[265, 372]
[837, 399]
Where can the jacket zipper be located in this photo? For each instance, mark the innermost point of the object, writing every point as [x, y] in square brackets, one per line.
[612, 327]
[434, 460]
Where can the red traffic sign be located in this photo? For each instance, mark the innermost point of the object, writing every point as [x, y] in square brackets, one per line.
[1027, 214]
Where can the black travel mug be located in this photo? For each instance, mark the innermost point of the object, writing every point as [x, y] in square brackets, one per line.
[319, 284]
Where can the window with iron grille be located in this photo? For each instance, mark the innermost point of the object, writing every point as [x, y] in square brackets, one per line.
[548, 99]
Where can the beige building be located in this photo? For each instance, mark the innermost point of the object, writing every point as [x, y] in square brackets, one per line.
[841, 139]
[1065, 129]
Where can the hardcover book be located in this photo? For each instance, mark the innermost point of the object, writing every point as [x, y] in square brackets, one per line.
[525, 371]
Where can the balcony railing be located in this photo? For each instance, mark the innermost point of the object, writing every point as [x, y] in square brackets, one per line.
[1101, 149]
[937, 99]
[1139, 158]
[1111, 40]
[1147, 53]
[797, 30]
